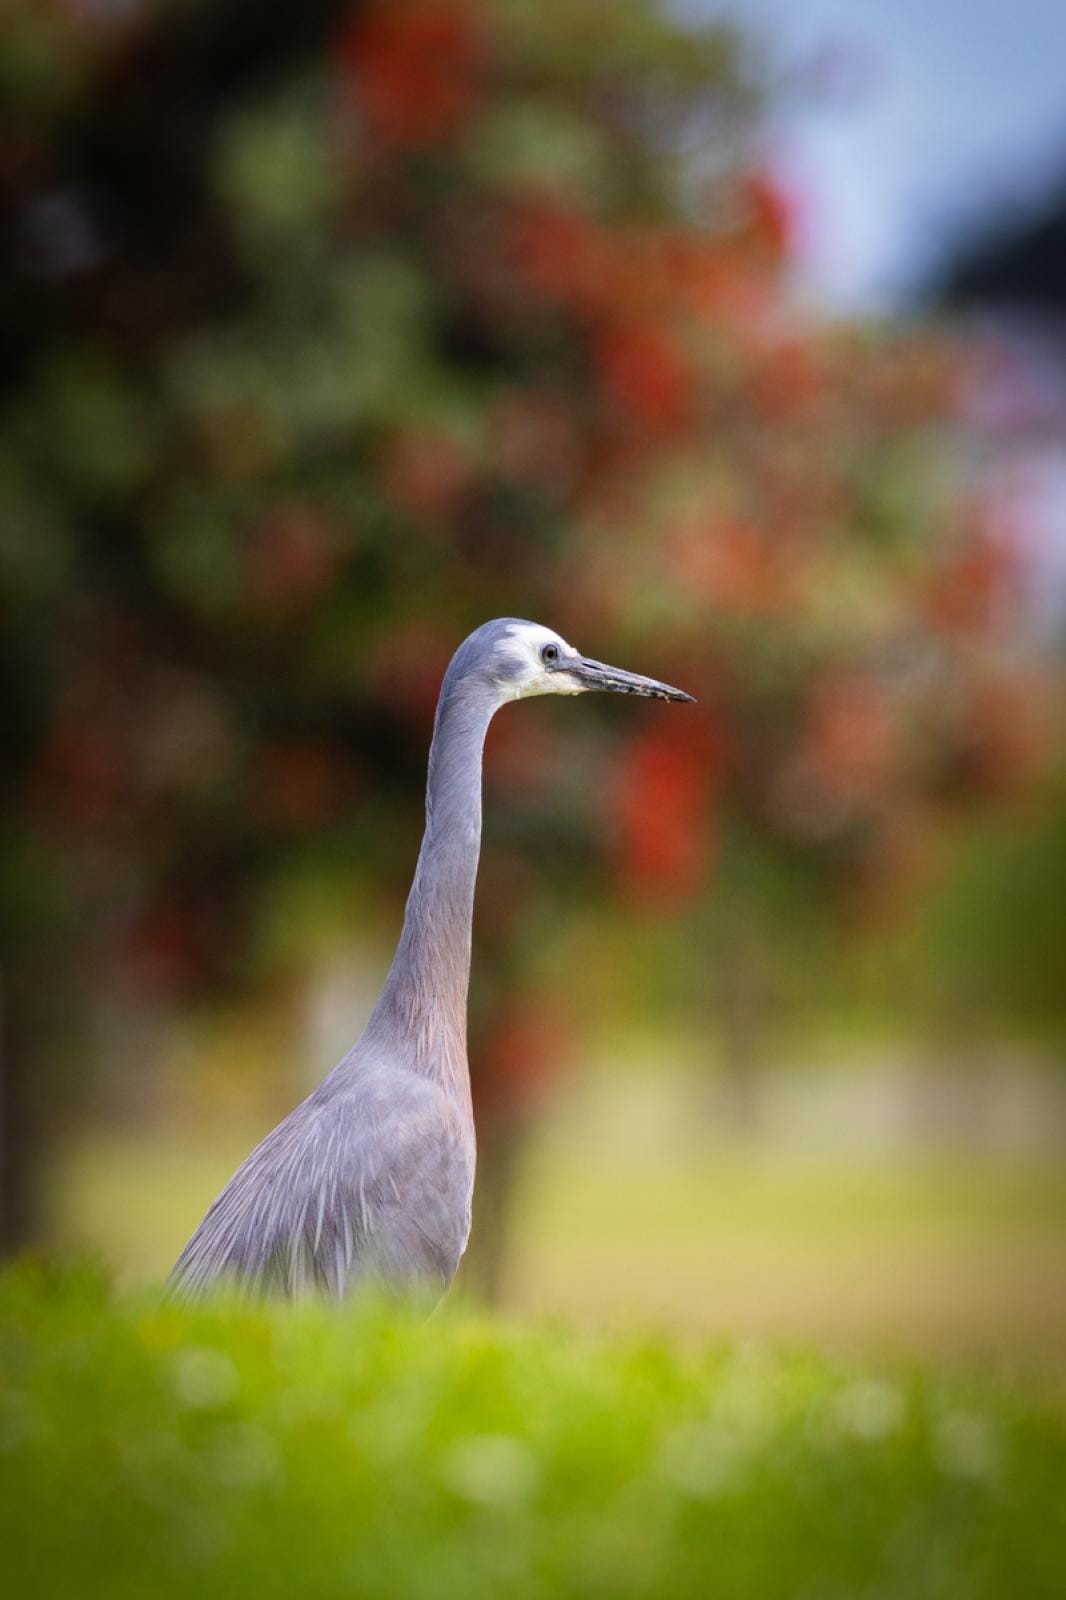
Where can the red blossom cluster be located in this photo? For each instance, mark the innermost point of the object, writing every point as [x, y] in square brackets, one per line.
[415, 67]
[526, 1041]
[614, 418]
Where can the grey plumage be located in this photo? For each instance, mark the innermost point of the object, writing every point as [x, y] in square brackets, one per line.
[371, 1177]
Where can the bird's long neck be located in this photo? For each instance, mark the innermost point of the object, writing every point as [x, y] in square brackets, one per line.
[424, 1000]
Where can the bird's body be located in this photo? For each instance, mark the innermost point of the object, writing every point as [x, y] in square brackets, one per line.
[371, 1178]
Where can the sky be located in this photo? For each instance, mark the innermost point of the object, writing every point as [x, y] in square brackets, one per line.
[900, 123]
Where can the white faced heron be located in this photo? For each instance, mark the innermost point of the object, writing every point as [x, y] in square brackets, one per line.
[371, 1177]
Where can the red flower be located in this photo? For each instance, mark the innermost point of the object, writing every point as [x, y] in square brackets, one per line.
[661, 801]
[426, 474]
[168, 949]
[291, 558]
[407, 667]
[852, 736]
[519, 1056]
[737, 566]
[964, 594]
[415, 68]
[789, 382]
[83, 773]
[718, 286]
[1006, 731]
[768, 220]
[521, 755]
[557, 254]
[535, 439]
[299, 784]
[647, 378]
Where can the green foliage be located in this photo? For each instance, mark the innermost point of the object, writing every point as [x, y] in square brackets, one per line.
[153, 1449]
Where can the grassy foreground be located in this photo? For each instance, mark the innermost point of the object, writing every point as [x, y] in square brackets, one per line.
[148, 1449]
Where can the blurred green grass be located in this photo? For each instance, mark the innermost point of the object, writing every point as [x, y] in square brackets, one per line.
[149, 1448]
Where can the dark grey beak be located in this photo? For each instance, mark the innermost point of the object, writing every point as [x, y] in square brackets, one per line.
[597, 675]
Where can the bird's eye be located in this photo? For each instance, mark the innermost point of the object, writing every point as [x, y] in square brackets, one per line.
[550, 654]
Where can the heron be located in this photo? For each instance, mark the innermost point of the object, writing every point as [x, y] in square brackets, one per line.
[370, 1179]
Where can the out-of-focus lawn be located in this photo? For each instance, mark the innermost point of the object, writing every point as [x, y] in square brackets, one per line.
[960, 1254]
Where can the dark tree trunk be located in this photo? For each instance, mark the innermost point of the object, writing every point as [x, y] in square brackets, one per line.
[23, 1066]
[500, 1149]
[741, 1001]
[43, 1059]
[15, 1200]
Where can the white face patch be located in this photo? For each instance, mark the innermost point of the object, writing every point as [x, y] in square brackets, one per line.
[523, 645]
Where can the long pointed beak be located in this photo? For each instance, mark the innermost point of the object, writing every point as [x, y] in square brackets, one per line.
[597, 675]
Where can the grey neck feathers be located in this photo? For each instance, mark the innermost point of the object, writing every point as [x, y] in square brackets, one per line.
[422, 1010]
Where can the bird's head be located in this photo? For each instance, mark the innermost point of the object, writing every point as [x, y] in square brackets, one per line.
[523, 658]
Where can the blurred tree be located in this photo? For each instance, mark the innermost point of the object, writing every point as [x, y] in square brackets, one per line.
[332, 330]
